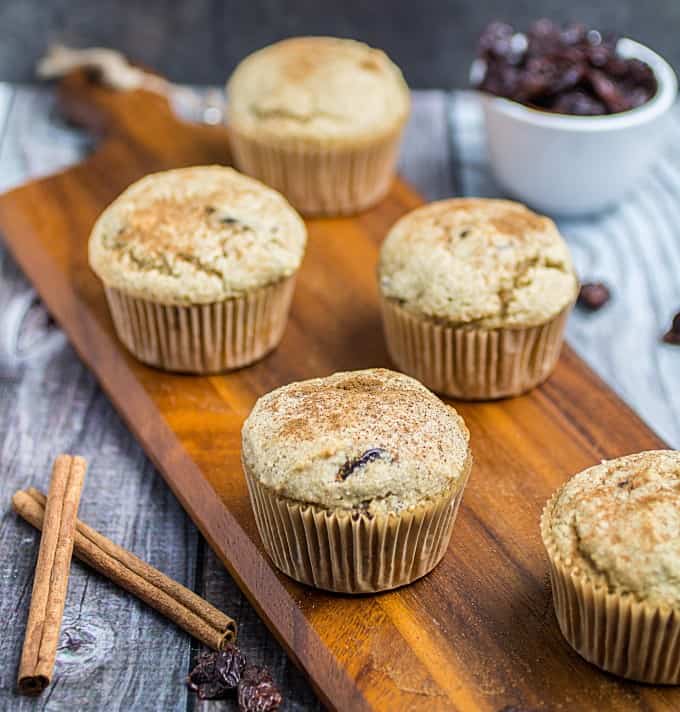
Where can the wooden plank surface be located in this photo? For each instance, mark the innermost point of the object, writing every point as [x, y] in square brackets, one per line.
[51, 400]
[461, 637]
[115, 653]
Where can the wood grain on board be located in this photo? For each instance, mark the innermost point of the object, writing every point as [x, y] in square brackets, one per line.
[478, 633]
[115, 652]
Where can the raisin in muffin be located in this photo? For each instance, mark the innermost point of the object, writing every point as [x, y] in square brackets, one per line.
[355, 479]
[612, 533]
[199, 267]
[320, 119]
[475, 296]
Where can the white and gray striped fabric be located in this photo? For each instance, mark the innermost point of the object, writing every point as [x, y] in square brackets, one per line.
[635, 248]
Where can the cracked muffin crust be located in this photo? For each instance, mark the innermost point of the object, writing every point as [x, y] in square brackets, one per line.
[618, 524]
[355, 479]
[612, 535]
[478, 262]
[196, 236]
[475, 296]
[198, 266]
[322, 88]
[374, 441]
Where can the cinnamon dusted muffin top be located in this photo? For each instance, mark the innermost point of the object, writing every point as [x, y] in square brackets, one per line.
[478, 262]
[325, 88]
[195, 236]
[374, 440]
[619, 522]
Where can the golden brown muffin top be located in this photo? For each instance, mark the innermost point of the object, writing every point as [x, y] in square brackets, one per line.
[317, 88]
[374, 440]
[478, 262]
[619, 523]
[195, 236]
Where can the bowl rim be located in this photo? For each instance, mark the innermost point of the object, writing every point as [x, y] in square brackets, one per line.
[659, 104]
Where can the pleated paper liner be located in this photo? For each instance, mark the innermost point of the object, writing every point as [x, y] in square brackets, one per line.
[469, 363]
[614, 631]
[325, 179]
[354, 552]
[203, 338]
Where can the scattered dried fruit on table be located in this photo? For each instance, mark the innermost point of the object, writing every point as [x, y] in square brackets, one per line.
[216, 673]
[672, 336]
[257, 691]
[563, 69]
[593, 295]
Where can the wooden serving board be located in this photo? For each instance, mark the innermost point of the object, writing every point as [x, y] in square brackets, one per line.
[478, 633]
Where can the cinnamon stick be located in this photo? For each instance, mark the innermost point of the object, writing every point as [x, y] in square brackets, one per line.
[176, 602]
[51, 574]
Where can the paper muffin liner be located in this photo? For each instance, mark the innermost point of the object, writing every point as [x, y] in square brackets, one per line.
[469, 363]
[615, 631]
[321, 178]
[203, 338]
[354, 552]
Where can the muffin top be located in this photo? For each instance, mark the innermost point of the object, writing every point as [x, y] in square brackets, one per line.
[619, 523]
[372, 440]
[195, 236]
[318, 88]
[483, 263]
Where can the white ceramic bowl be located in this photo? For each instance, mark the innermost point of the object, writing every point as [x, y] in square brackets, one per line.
[574, 165]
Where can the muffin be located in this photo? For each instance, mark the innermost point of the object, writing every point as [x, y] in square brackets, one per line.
[198, 265]
[355, 479]
[475, 296]
[612, 534]
[320, 119]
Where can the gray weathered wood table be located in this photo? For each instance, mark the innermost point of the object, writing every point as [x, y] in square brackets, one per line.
[115, 653]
